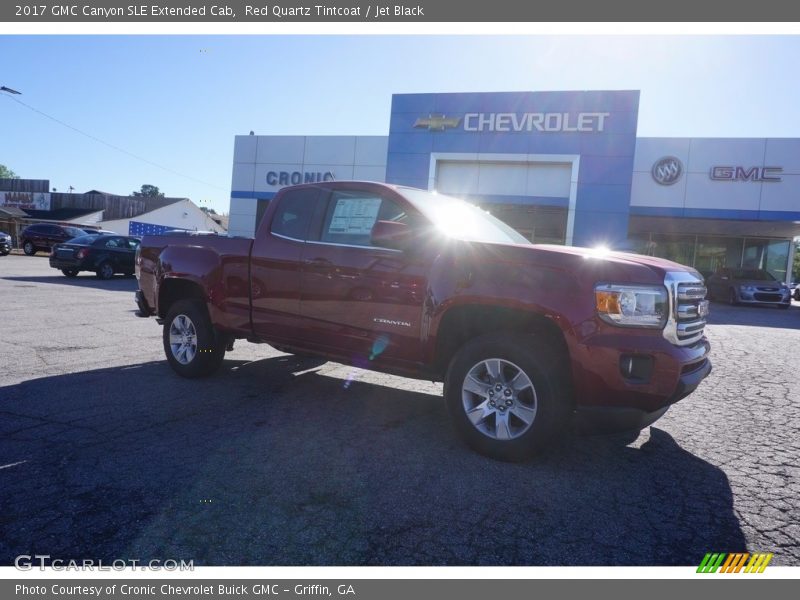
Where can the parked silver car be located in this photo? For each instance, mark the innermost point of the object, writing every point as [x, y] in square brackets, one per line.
[748, 286]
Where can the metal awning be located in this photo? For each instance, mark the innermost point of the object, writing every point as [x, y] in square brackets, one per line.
[724, 227]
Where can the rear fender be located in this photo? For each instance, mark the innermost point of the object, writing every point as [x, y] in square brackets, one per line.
[194, 265]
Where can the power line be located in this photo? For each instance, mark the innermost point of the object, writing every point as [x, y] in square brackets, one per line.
[112, 146]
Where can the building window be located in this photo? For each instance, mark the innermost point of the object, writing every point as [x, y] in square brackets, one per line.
[677, 248]
[770, 255]
[714, 253]
[709, 254]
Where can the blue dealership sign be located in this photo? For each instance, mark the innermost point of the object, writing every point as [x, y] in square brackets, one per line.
[595, 130]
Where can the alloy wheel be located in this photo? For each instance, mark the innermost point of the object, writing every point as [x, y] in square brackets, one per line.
[183, 339]
[499, 399]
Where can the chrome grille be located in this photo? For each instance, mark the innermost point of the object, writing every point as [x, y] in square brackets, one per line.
[687, 304]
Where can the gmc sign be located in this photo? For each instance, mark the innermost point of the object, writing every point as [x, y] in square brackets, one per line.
[746, 174]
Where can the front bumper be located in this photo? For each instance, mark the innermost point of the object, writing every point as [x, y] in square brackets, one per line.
[762, 299]
[604, 419]
[5, 246]
[613, 397]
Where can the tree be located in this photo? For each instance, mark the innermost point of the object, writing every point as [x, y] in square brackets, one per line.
[6, 173]
[149, 191]
[796, 266]
[208, 210]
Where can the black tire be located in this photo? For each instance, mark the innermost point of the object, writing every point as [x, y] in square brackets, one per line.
[733, 299]
[70, 272]
[105, 270]
[5, 252]
[209, 349]
[548, 372]
[797, 294]
[28, 248]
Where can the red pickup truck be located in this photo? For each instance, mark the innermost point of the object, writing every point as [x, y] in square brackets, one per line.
[525, 337]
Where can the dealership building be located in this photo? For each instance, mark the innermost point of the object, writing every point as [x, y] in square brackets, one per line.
[562, 168]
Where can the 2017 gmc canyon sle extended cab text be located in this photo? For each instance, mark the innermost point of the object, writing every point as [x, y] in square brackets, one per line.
[410, 282]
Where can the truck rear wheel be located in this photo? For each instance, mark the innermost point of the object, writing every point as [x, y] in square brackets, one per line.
[508, 395]
[190, 343]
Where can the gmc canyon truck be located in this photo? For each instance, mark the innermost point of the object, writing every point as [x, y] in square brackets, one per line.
[525, 337]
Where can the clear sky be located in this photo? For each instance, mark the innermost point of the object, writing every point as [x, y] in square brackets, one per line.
[178, 100]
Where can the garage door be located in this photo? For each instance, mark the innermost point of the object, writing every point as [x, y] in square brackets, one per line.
[550, 180]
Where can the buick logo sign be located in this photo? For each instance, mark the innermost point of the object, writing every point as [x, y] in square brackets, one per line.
[667, 170]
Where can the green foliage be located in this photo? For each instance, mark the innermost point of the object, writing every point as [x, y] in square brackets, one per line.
[149, 191]
[6, 173]
[796, 266]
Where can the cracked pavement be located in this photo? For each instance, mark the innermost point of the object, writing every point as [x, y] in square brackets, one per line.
[106, 454]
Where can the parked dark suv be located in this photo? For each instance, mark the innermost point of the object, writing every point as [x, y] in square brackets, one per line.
[44, 236]
[103, 254]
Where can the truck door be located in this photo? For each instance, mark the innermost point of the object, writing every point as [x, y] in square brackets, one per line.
[357, 300]
[275, 265]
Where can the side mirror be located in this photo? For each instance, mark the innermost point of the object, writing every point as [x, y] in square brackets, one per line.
[391, 234]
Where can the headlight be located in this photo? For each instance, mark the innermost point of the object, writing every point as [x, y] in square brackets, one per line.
[747, 288]
[632, 305]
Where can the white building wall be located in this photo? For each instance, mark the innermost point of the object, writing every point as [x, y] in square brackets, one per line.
[184, 214]
[90, 219]
[697, 190]
[266, 163]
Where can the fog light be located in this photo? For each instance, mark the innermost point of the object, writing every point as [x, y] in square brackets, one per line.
[636, 367]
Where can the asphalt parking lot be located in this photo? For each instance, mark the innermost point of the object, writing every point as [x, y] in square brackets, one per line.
[106, 454]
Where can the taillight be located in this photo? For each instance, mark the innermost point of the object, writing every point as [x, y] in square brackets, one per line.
[82, 253]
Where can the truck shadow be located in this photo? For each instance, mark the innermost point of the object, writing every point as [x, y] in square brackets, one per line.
[284, 461]
[118, 283]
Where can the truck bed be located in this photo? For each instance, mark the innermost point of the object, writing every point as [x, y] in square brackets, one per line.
[218, 265]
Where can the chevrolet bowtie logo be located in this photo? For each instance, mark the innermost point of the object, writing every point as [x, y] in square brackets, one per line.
[437, 122]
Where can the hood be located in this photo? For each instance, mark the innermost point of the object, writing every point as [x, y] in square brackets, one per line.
[586, 264]
[759, 283]
[623, 258]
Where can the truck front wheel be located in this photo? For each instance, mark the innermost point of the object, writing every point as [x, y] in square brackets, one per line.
[508, 395]
[191, 346]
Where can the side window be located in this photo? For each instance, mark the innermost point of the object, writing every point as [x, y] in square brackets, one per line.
[351, 216]
[132, 243]
[113, 243]
[51, 229]
[294, 214]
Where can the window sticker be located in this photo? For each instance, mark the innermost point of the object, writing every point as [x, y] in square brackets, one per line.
[354, 216]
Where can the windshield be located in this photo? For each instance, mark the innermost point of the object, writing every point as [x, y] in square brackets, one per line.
[74, 231]
[461, 220]
[752, 275]
[83, 239]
